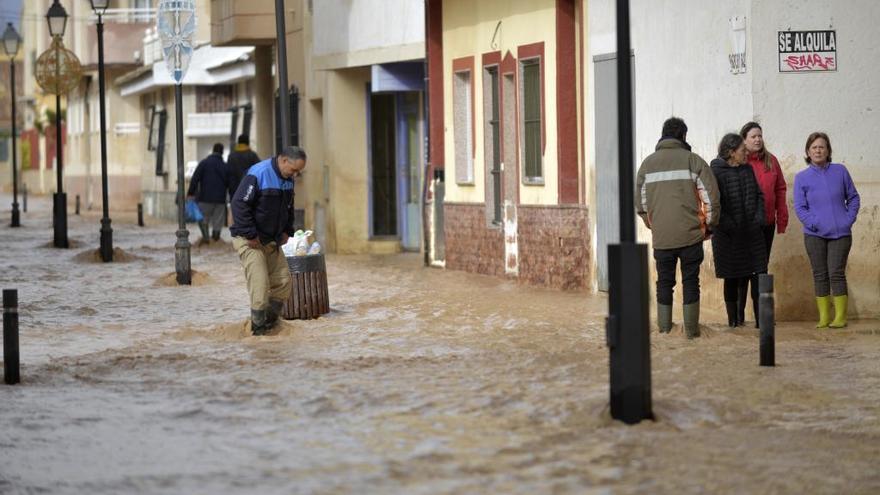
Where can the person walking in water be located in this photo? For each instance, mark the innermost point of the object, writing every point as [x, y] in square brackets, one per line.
[738, 242]
[262, 212]
[768, 173]
[827, 204]
[210, 184]
[677, 198]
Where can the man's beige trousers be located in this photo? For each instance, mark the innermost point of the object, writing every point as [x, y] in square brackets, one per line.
[265, 269]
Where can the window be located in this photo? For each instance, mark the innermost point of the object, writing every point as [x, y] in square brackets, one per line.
[462, 125]
[531, 121]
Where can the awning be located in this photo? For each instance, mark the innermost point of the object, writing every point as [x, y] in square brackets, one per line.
[209, 66]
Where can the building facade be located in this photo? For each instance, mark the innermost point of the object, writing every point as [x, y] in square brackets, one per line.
[506, 131]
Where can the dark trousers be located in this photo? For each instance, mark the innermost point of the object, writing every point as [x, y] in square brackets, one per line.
[828, 260]
[666, 260]
[769, 232]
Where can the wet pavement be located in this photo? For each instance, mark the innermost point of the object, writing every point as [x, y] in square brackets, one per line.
[419, 381]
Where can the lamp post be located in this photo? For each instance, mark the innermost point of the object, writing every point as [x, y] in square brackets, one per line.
[284, 97]
[11, 42]
[176, 23]
[57, 19]
[627, 329]
[99, 7]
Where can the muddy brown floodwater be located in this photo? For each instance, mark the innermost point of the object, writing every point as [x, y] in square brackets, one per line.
[418, 381]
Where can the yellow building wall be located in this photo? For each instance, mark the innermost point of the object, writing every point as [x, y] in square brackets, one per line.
[346, 153]
[468, 30]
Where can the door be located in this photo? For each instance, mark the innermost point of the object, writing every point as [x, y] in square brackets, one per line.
[607, 189]
[383, 176]
[409, 160]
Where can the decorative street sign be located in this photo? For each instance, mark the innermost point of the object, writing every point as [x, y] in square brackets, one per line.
[176, 23]
[807, 51]
[58, 69]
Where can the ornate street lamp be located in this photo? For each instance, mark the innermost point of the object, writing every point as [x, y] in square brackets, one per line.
[11, 42]
[99, 7]
[176, 23]
[58, 71]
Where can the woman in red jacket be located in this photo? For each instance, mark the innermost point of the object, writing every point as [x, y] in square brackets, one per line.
[772, 183]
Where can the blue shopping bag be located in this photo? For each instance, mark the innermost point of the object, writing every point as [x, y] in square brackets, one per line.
[193, 213]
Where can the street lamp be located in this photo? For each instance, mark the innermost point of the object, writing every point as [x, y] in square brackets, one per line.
[99, 7]
[11, 42]
[176, 23]
[57, 19]
[627, 331]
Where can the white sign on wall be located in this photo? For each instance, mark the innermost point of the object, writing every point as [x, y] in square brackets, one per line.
[807, 51]
[736, 53]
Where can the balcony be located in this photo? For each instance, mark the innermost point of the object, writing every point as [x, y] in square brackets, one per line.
[122, 40]
[242, 22]
[208, 124]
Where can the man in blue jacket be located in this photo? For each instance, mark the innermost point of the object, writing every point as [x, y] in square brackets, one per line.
[209, 185]
[262, 212]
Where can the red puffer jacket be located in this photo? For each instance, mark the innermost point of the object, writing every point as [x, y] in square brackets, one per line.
[773, 187]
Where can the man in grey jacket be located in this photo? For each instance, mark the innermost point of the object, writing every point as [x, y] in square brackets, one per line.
[677, 198]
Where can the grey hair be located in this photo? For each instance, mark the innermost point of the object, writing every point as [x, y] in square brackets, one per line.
[294, 153]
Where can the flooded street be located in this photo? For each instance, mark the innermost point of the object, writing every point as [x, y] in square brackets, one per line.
[418, 381]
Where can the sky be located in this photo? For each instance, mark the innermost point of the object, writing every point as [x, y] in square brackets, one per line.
[10, 11]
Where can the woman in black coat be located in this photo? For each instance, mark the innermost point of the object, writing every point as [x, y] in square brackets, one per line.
[738, 241]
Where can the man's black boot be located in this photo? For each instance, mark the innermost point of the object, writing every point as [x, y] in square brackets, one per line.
[274, 312]
[215, 235]
[259, 322]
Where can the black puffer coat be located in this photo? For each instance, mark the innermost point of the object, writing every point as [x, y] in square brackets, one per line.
[737, 242]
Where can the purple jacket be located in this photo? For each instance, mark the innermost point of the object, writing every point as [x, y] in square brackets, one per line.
[826, 201]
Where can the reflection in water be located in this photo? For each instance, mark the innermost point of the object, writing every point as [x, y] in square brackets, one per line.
[418, 381]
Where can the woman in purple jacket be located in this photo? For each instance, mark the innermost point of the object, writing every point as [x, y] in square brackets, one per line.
[827, 203]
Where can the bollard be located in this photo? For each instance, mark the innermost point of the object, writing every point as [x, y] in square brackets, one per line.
[24, 199]
[10, 337]
[767, 318]
[140, 214]
[76, 212]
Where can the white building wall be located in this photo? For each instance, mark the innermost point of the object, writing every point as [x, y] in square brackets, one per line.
[681, 68]
[351, 33]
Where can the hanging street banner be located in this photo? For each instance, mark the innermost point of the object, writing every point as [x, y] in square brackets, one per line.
[807, 51]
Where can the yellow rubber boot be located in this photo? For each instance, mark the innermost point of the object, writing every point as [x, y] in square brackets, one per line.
[840, 303]
[824, 305]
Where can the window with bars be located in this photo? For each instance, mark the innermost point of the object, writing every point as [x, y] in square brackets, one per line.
[531, 120]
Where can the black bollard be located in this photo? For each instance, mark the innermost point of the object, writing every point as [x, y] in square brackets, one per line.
[767, 318]
[76, 212]
[140, 214]
[10, 337]
[24, 199]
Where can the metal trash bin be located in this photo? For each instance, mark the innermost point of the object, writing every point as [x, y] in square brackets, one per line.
[309, 297]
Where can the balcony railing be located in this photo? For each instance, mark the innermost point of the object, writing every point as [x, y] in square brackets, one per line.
[126, 16]
[208, 124]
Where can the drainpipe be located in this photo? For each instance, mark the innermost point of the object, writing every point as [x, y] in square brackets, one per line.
[426, 177]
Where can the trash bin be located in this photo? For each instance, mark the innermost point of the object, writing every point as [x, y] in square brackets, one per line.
[308, 298]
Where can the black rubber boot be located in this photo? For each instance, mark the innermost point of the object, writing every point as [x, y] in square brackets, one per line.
[732, 318]
[692, 320]
[259, 322]
[274, 312]
[741, 297]
[215, 235]
[757, 315]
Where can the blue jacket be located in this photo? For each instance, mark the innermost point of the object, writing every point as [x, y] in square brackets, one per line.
[212, 179]
[826, 201]
[263, 204]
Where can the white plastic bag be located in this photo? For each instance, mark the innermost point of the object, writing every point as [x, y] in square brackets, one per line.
[315, 248]
[301, 242]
